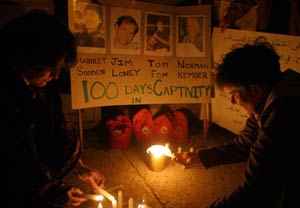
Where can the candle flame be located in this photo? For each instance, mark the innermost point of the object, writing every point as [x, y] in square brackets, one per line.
[159, 150]
[99, 197]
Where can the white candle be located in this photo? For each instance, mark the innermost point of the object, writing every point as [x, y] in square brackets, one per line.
[179, 150]
[92, 197]
[120, 204]
[100, 205]
[192, 149]
[167, 145]
[114, 203]
[106, 194]
[130, 203]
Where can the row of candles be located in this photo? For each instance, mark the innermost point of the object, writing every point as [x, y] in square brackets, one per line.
[157, 151]
[116, 203]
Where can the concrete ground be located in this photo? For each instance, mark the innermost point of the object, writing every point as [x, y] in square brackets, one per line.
[174, 187]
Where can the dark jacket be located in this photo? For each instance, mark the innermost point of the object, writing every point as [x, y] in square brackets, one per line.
[270, 145]
[37, 149]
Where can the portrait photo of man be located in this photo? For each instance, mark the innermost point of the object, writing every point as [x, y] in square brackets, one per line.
[89, 27]
[125, 31]
[190, 35]
[158, 32]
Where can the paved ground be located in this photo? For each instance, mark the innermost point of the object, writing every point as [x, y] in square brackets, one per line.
[174, 187]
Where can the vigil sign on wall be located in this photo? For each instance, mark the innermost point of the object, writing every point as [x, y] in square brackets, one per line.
[140, 55]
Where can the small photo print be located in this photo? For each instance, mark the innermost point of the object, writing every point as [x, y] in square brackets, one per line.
[88, 26]
[125, 31]
[190, 36]
[158, 33]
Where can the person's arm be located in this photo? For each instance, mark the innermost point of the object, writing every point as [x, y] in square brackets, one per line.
[270, 164]
[151, 42]
[165, 42]
[27, 180]
[90, 175]
[235, 11]
[234, 151]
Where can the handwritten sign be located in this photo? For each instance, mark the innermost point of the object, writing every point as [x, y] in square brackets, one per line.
[232, 117]
[115, 80]
[106, 77]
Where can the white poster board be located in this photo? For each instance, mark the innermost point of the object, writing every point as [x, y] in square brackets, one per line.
[106, 76]
[232, 117]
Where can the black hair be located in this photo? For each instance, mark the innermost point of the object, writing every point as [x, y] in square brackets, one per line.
[256, 63]
[36, 41]
[95, 7]
[128, 19]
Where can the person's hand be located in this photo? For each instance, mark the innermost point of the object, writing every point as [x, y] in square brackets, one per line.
[74, 198]
[92, 176]
[63, 194]
[186, 158]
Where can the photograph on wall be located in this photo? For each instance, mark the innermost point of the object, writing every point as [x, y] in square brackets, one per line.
[87, 23]
[190, 35]
[125, 31]
[158, 32]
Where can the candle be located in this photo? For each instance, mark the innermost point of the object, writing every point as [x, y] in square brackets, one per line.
[100, 205]
[114, 203]
[179, 150]
[120, 205]
[167, 145]
[159, 150]
[106, 194]
[157, 157]
[192, 149]
[92, 197]
[130, 203]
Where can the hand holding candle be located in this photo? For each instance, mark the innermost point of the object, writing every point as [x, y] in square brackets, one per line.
[92, 197]
[90, 175]
[187, 159]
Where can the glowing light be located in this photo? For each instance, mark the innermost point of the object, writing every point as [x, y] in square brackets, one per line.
[99, 198]
[106, 194]
[159, 150]
[93, 197]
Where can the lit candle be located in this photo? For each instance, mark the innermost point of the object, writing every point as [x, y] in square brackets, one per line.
[114, 203]
[157, 157]
[100, 205]
[92, 197]
[159, 150]
[130, 203]
[120, 205]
